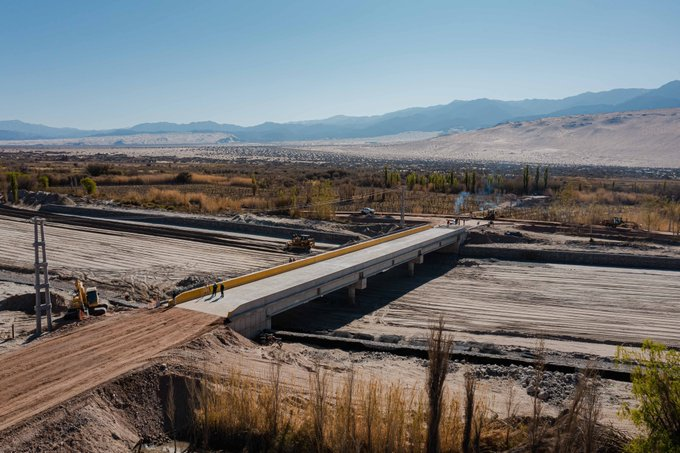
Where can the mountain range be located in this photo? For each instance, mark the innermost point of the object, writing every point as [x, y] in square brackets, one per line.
[453, 117]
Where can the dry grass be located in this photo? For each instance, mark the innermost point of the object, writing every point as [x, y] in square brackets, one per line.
[365, 416]
[159, 179]
[439, 350]
[240, 413]
[191, 201]
[240, 181]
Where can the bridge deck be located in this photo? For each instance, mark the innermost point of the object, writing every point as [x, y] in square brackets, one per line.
[272, 289]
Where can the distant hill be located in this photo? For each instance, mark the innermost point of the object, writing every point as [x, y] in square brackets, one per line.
[22, 131]
[648, 138]
[452, 117]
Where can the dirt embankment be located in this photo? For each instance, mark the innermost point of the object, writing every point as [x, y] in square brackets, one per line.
[132, 408]
[53, 369]
[26, 303]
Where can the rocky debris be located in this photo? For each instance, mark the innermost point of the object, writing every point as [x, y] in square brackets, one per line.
[192, 282]
[486, 236]
[394, 339]
[361, 230]
[554, 386]
[39, 198]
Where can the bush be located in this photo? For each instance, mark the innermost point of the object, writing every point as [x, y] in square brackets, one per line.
[44, 182]
[13, 186]
[98, 169]
[656, 386]
[183, 178]
[89, 185]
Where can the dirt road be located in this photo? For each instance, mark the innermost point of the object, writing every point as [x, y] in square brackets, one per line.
[53, 370]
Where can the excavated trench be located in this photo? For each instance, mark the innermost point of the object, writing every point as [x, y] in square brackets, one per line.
[26, 303]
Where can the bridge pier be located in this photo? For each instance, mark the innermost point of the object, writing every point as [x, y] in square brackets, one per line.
[352, 289]
[352, 294]
[412, 265]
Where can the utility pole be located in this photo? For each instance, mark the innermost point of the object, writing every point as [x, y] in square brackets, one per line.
[401, 221]
[41, 270]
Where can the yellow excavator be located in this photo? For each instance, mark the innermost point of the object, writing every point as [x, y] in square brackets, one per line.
[85, 302]
[300, 243]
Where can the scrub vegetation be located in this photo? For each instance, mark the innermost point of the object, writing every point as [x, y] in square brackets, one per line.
[559, 194]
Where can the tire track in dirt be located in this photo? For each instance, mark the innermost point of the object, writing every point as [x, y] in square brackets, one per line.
[54, 369]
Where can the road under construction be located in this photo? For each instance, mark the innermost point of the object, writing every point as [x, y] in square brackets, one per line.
[50, 370]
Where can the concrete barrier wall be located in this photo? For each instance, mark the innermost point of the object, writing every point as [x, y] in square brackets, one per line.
[208, 224]
[572, 257]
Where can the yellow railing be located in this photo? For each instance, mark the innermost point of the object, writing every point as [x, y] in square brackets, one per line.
[280, 269]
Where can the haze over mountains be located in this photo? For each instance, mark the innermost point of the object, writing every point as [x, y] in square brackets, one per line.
[455, 116]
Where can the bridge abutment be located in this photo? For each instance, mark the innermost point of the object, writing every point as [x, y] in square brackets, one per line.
[454, 249]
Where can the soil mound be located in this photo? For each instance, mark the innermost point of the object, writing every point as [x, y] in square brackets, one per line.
[26, 303]
[491, 237]
[40, 198]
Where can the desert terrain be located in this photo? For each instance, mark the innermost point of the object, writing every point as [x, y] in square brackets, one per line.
[639, 139]
[506, 316]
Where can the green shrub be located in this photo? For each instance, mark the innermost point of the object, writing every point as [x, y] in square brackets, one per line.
[44, 182]
[13, 186]
[656, 386]
[89, 185]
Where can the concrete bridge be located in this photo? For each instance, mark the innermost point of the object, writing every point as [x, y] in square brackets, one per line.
[251, 300]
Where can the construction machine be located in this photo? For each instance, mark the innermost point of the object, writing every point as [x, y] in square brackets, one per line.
[85, 302]
[300, 243]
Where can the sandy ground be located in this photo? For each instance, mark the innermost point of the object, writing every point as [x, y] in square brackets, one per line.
[127, 260]
[576, 308]
[55, 368]
[631, 139]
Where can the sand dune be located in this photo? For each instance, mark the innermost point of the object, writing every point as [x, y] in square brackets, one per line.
[637, 139]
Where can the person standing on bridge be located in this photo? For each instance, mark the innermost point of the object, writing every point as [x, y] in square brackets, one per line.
[221, 290]
[214, 293]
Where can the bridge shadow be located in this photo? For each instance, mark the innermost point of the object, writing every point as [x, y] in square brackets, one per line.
[334, 311]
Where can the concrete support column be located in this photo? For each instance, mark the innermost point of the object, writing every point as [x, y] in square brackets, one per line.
[412, 265]
[352, 294]
[352, 289]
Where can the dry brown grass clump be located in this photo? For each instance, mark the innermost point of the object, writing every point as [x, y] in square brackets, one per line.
[152, 179]
[170, 198]
[341, 414]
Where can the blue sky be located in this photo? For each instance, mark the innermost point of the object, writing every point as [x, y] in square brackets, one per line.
[106, 64]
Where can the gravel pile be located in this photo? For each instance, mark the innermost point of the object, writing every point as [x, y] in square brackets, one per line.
[39, 198]
[554, 387]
